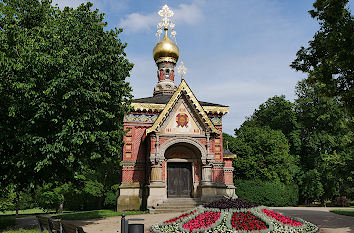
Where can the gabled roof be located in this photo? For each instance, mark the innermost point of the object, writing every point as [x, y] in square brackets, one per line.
[158, 102]
[164, 99]
[183, 89]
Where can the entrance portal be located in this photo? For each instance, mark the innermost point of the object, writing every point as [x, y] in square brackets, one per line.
[179, 180]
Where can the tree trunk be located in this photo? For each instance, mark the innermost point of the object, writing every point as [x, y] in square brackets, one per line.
[61, 205]
[100, 199]
[17, 202]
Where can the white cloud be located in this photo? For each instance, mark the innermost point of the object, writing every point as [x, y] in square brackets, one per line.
[99, 4]
[137, 22]
[70, 3]
[188, 14]
[184, 14]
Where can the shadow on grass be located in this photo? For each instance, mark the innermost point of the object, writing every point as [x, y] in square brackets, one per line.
[347, 212]
[323, 219]
[94, 214]
[7, 221]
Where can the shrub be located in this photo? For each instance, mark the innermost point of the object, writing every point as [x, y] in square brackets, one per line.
[267, 193]
[340, 201]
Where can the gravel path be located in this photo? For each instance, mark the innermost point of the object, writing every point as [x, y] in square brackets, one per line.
[325, 220]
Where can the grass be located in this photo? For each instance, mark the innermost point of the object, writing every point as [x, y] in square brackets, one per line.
[24, 212]
[347, 212]
[35, 230]
[93, 214]
[7, 221]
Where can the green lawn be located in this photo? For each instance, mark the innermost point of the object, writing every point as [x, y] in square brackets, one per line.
[94, 214]
[25, 212]
[7, 221]
[347, 212]
[35, 230]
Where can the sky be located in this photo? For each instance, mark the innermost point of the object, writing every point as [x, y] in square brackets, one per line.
[237, 52]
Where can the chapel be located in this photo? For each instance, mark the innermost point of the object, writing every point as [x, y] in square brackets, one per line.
[173, 147]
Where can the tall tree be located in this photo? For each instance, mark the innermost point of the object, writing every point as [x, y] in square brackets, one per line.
[63, 92]
[279, 114]
[327, 148]
[262, 154]
[329, 58]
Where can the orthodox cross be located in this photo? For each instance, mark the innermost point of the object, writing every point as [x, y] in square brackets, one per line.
[166, 23]
[182, 70]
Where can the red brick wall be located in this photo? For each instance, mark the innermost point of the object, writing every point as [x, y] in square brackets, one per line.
[218, 174]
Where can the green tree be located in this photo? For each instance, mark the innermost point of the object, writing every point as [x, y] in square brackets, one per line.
[63, 93]
[329, 58]
[262, 154]
[327, 148]
[279, 114]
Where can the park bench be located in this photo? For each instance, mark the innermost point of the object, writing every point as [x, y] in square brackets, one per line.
[57, 226]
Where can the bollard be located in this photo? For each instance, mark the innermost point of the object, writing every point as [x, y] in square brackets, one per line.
[122, 225]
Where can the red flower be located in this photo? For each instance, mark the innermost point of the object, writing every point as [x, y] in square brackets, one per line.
[179, 217]
[281, 218]
[201, 221]
[247, 221]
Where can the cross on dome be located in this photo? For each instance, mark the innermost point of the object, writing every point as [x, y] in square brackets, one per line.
[182, 70]
[166, 23]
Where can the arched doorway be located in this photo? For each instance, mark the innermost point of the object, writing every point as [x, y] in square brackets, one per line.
[183, 170]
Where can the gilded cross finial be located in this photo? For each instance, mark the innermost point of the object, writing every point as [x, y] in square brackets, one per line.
[182, 70]
[166, 23]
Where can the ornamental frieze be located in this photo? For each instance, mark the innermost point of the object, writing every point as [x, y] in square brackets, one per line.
[136, 117]
[216, 120]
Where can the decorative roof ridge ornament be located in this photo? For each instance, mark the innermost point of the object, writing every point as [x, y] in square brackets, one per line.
[182, 70]
[166, 23]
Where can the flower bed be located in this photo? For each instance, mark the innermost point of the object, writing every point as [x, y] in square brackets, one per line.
[281, 218]
[244, 217]
[247, 221]
[202, 221]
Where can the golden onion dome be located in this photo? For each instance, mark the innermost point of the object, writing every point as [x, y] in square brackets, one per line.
[166, 50]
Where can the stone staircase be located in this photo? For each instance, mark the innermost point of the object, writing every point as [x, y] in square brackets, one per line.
[175, 205]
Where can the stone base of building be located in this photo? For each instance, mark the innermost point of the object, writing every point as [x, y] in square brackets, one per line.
[230, 191]
[157, 194]
[130, 197]
[212, 191]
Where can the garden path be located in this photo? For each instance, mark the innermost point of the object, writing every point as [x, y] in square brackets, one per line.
[327, 222]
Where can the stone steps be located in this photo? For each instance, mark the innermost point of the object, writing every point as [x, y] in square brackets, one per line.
[176, 205]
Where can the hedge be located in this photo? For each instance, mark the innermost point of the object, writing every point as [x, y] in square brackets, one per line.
[267, 193]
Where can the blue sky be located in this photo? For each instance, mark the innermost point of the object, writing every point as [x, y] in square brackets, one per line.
[237, 52]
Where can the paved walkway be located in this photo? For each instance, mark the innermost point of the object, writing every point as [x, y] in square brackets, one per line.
[325, 220]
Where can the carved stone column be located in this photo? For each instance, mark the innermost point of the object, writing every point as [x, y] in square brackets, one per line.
[157, 187]
[156, 173]
[207, 174]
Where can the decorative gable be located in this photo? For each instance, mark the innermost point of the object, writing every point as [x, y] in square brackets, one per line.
[177, 115]
[181, 121]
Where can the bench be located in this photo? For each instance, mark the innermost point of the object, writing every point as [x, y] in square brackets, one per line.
[57, 226]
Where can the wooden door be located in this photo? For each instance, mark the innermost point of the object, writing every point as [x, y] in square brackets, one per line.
[179, 180]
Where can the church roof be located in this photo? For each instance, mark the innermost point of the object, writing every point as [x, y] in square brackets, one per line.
[163, 99]
[183, 89]
[158, 103]
[228, 154]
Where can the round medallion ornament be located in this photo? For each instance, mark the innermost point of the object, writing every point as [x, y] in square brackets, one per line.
[182, 120]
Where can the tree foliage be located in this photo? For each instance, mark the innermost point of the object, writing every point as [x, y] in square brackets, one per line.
[263, 154]
[329, 58]
[279, 114]
[327, 148]
[63, 92]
